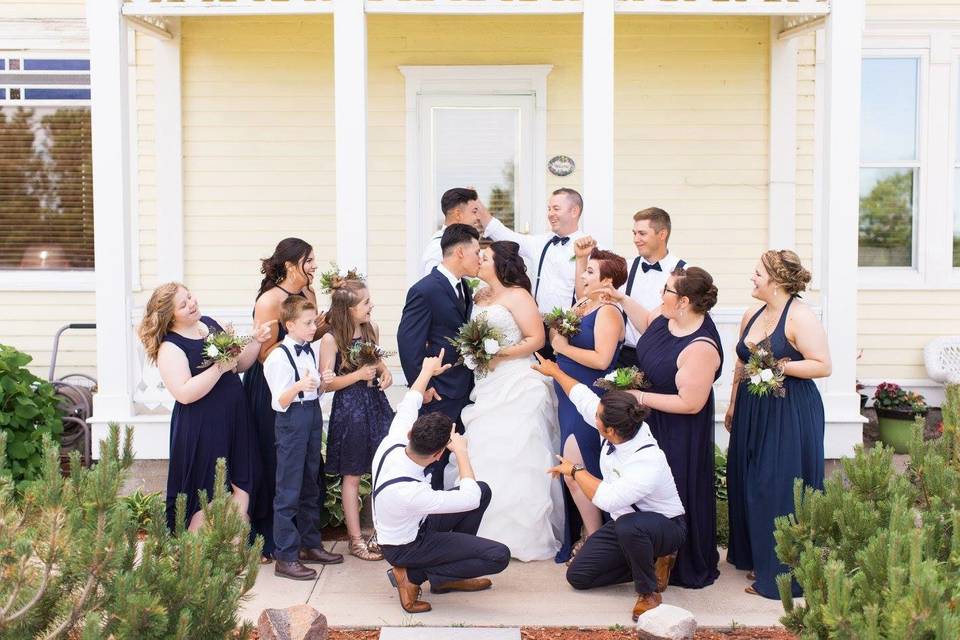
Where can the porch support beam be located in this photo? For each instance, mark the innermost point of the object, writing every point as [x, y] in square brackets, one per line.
[111, 201]
[598, 54]
[169, 149]
[844, 35]
[782, 191]
[350, 116]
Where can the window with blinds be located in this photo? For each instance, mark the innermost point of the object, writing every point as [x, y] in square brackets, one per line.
[46, 177]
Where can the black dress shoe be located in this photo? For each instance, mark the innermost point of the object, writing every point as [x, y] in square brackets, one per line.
[294, 570]
[320, 556]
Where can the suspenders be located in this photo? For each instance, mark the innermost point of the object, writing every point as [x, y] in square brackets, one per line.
[296, 374]
[543, 255]
[636, 265]
[376, 476]
[646, 446]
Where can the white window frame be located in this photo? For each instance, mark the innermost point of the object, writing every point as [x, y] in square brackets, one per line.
[466, 80]
[913, 276]
[953, 277]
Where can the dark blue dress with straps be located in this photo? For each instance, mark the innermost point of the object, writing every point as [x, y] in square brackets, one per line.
[218, 425]
[572, 423]
[359, 419]
[772, 442]
[688, 443]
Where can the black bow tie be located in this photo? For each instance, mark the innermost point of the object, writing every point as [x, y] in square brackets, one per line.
[300, 348]
[646, 266]
[558, 240]
[426, 471]
[610, 447]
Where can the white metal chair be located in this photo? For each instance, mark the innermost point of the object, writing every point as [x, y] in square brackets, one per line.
[942, 359]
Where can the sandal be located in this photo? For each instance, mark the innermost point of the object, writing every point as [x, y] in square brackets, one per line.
[575, 549]
[373, 545]
[362, 550]
[751, 576]
[266, 559]
[751, 591]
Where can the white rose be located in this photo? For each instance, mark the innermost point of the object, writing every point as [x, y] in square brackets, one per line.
[762, 353]
[611, 376]
[766, 375]
[755, 379]
[343, 273]
[470, 362]
[491, 346]
[212, 351]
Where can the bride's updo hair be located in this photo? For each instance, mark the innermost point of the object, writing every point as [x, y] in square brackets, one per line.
[510, 268]
[786, 270]
[622, 412]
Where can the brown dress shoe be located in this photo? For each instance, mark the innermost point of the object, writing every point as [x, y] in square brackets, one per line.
[409, 592]
[320, 556]
[645, 602]
[663, 568]
[294, 570]
[470, 584]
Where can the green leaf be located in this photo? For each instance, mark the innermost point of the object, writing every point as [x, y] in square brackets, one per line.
[17, 450]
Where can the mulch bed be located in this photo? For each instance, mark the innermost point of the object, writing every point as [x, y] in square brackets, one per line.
[573, 633]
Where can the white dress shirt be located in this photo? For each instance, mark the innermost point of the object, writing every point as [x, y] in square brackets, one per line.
[635, 473]
[556, 277]
[432, 254]
[399, 510]
[279, 374]
[647, 288]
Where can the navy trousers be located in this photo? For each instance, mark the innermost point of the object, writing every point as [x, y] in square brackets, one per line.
[448, 549]
[298, 500]
[626, 549]
[450, 407]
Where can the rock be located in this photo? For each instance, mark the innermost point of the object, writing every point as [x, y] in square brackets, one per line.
[299, 622]
[666, 622]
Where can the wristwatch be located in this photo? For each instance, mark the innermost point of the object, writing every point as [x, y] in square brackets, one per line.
[574, 469]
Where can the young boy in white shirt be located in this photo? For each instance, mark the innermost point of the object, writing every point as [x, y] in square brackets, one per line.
[295, 387]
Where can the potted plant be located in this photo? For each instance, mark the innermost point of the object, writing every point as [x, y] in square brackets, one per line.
[897, 411]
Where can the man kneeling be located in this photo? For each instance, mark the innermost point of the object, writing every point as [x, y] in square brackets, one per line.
[638, 491]
[426, 534]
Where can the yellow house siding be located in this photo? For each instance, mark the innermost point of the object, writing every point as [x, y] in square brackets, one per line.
[258, 146]
[56, 9]
[691, 129]
[912, 9]
[143, 126]
[28, 320]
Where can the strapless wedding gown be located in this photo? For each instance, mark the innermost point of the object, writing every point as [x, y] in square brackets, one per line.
[513, 435]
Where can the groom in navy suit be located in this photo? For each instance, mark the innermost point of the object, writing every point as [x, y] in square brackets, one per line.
[436, 307]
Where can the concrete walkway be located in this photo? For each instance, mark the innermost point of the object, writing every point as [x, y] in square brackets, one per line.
[357, 594]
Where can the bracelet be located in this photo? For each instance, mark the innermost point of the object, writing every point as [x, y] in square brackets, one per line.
[641, 398]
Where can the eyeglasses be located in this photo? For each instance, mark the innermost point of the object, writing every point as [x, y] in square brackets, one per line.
[667, 289]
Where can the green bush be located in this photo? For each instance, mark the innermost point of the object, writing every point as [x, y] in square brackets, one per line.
[72, 567]
[28, 412]
[720, 491]
[143, 506]
[876, 552]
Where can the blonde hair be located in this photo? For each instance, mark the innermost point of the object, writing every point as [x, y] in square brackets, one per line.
[785, 268]
[293, 306]
[157, 318]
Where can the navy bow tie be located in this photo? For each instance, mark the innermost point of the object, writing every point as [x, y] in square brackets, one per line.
[558, 240]
[426, 471]
[300, 348]
[646, 266]
[610, 447]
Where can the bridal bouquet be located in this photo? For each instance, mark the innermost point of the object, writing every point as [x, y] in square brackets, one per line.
[764, 372]
[624, 379]
[477, 342]
[334, 278]
[222, 346]
[565, 322]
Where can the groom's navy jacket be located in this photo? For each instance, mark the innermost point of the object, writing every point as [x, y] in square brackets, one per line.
[432, 314]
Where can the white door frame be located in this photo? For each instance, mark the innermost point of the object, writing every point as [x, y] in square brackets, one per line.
[476, 79]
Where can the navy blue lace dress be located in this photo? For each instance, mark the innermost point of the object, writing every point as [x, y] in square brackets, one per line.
[218, 425]
[773, 441]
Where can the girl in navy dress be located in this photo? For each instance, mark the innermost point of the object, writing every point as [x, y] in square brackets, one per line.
[210, 418]
[288, 272]
[774, 440]
[361, 415]
[590, 354]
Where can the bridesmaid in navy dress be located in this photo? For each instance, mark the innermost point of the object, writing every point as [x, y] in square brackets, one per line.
[774, 440]
[361, 414]
[590, 354]
[289, 271]
[211, 418]
[680, 353]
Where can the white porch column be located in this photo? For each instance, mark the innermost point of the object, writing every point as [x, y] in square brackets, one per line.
[844, 34]
[111, 199]
[598, 23]
[783, 139]
[350, 109]
[169, 149]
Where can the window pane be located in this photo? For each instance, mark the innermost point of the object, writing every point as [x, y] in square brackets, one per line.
[46, 188]
[886, 217]
[477, 148]
[888, 117]
[956, 218]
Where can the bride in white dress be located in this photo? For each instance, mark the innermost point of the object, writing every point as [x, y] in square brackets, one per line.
[511, 427]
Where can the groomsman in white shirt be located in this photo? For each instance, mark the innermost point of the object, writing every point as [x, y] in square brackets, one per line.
[427, 534]
[554, 276]
[637, 489]
[458, 205]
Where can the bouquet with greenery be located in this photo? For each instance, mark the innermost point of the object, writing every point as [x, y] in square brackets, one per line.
[334, 277]
[366, 352]
[477, 342]
[624, 378]
[566, 322]
[220, 347]
[764, 372]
